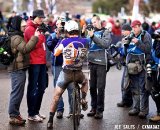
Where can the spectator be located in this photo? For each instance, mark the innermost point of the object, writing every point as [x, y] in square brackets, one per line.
[67, 18]
[3, 29]
[152, 28]
[154, 77]
[51, 23]
[37, 70]
[116, 29]
[9, 26]
[24, 16]
[57, 61]
[100, 39]
[125, 89]
[18, 68]
[138, 52]
[145, 26]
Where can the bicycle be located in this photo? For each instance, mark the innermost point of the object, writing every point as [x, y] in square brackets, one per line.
[76, 104]
[76, 98]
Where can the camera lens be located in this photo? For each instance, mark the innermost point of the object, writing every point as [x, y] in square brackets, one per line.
[149, 69]
[62, 23]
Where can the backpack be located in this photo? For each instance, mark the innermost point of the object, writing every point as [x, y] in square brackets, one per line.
[6, 55]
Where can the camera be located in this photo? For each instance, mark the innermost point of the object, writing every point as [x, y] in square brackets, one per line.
[62, 27]
[155, 94]
[43, 28]
[114, 50]
[156, 34]
[62, 30]
[89, 27]
[149, 70]
[128, 39]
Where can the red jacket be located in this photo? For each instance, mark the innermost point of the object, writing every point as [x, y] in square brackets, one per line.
[116, 30]
[38, 55]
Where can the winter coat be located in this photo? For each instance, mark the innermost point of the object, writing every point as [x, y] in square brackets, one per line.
[21, 52]
[99, 42]
[52, 41]
[38, 55]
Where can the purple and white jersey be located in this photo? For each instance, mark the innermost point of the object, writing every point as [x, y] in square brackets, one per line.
[74, 51]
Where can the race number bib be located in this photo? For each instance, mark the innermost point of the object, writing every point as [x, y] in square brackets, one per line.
[68, 53]
[82, 52]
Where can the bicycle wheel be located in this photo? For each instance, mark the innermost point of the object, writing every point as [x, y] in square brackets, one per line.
[76, 109]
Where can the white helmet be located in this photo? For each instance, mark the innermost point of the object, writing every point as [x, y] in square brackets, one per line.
[71, 25]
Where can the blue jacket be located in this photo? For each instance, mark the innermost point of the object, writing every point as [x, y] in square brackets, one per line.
[156, 60]
[52, 41]
[98, 43]
[143, 46]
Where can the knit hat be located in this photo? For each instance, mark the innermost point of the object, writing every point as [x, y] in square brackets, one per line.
[38, 13]
[126, 27]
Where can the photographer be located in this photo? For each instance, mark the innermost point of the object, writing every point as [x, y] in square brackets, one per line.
[100, 40]
[155, 76]
[156, 44]
[125, 90]
[138, 51]
[57, 61]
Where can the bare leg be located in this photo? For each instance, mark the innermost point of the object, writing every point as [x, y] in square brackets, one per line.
[57, 94]
[84, 88]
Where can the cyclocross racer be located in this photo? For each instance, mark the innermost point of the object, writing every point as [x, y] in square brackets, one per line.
[74, 49]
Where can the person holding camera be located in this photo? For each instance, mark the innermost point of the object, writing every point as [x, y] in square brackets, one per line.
[137, 47]
[37, 70]
[155, 74]
[100, 39]
[125, 90]
[57, 61]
